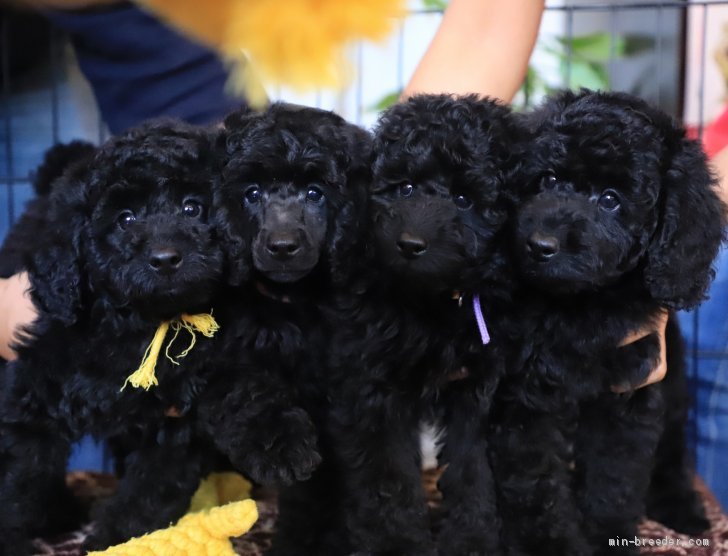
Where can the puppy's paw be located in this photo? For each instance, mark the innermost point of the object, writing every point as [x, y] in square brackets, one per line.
[281, 451]
[99, 541]
[105, 533]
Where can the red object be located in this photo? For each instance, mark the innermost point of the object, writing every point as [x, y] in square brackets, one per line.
[715, 134]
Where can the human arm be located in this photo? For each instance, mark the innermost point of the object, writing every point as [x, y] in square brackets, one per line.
[481, 46]
[720, 167]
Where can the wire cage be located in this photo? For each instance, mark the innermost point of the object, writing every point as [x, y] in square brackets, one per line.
[673, 53]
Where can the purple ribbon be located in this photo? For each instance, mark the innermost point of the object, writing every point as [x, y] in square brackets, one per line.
[478, 310]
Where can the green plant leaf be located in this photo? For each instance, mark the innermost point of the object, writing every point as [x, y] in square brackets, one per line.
[637, 44]
[532, 84]
[586, 74]
[386, 101]
[595, 47]
[435, 4]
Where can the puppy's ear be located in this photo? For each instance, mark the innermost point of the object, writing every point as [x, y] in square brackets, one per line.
[57, 270]
[690, 228]
[346, 244]
[229, 219]
[230, 225]
[236, 127]
[238, 119]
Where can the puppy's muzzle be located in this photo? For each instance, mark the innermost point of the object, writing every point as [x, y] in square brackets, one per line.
[542, 247]
[411, 246]
[165, 260]
[283, 245]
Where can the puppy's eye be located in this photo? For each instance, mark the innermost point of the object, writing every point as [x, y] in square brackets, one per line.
[406, 189]
[609, 200]
[462, 202]
[550, 181]
[192, 208]
[252, 194]
[314, 194]
[125, 218]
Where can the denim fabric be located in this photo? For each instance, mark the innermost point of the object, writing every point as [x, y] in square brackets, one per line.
[709, 374]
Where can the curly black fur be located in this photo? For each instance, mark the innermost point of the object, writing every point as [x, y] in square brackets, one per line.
[618, 219]
[56, 160]
[408, 348]
[27, 235]
[134, 237]
[294, 190]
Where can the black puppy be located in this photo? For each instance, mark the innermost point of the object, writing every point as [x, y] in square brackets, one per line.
[618, 220]
[412, 350]
[294, 190]
[132, 241]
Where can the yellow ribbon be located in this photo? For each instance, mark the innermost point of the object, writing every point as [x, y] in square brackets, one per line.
[144, 376]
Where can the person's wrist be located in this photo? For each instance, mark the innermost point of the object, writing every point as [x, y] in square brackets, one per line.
[5, 319]
[18, 310]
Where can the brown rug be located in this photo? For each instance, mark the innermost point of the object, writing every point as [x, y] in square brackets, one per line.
[655, 538]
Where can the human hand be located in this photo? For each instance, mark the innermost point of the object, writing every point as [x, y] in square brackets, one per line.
[16, 310]
[658, 327]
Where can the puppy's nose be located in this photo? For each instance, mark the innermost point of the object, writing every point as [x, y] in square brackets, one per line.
[542, 247]
[283, 245]
[411, 246]
[165, 259]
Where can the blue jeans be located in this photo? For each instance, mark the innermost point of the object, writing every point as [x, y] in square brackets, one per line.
[710, 380]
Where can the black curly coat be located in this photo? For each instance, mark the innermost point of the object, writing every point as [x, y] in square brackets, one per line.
[618, 219]
[408, 348]
[133, 238]
[295, 186]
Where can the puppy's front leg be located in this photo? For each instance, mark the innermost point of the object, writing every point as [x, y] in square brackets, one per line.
[532, 457]
[253, 419]
[375, 436]
[159, 481]
[309, 519]
[618, 436]
[35, 499]
[470, 525]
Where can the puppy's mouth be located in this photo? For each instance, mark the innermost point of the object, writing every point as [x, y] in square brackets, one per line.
[424, 264]
[429, 275]
[170, 301]
[287, 276]
[286, 271]
[175, 303]
[557, 277]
